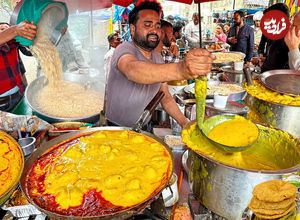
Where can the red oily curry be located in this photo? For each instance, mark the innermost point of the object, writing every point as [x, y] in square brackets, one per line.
[99, 173]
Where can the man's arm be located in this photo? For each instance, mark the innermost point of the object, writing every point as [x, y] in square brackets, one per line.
[197, 62]
[170, 106]
[24, 29]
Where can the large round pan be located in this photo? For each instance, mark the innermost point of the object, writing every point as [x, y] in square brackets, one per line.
[36, 85]
[117, 215]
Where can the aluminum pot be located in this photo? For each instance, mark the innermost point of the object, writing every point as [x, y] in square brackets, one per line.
[227, 190]
[36, 85]
[284, 117]
[124, 214]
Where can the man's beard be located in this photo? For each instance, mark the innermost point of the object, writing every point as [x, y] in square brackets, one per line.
[166, 42]
[145, 43]
[237, 24]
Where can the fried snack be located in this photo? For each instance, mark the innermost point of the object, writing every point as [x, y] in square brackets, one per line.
[257, 204]
[274, 191]
[273, 216]
[274, 211]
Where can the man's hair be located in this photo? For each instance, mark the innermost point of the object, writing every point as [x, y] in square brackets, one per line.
[164, 24]
[111, 37]
[151, 5]
[240, 13]
[279, 6]
[177, 27]
[170, 17]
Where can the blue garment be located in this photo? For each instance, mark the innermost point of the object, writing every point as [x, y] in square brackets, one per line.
[245, 40]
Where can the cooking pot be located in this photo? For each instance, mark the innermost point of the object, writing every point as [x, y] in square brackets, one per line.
[36, 85]
[159, 115]
[234, 75]
[284, 117]
[117, 215]
[227, 190]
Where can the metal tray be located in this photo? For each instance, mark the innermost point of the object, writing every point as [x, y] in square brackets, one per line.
[282, 81]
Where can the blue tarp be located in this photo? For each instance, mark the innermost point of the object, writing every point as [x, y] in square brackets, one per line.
[121, 13]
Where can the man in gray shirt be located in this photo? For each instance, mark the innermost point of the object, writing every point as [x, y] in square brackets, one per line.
[137, 72]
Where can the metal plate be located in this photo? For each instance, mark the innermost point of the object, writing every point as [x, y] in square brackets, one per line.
[282, 81]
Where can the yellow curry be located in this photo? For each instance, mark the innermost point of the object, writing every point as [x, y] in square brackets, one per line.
[274, 149]
[261, 92]
[11, 162]
[122, 168]
[236, 133]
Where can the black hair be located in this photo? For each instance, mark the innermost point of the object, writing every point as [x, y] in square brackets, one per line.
[170, 17]
[240, 13]
[111, 37]
[134, 14]
[279, 6]
[177, 27]
[222, 26]
[164, 23]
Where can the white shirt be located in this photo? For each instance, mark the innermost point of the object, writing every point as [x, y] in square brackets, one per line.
[107, 60]
[294, 59]
[192, 34]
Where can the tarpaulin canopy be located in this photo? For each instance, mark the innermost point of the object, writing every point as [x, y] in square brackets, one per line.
[122, 12]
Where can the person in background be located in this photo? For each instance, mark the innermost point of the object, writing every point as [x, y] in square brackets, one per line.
[138, 73]
[176, 35]
[292, 40]
[114, 40]
[12, 85]
[241, 36]
[274, 51]
[257, 31]
[192, 31]
[226, 28]
[220, 36]
[170, 19]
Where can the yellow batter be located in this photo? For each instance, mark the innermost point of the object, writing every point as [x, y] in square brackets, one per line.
[124, 166]
[261, 92]
[236, 133]
[274, 150]
[11, 162]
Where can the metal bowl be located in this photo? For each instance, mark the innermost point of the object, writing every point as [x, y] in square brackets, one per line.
[124, 214]
[36, 85]
[27, 145]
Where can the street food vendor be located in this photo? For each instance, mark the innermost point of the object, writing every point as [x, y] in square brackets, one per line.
[11, 82]
[137, 72]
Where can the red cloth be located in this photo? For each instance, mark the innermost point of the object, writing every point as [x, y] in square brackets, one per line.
[10, 73]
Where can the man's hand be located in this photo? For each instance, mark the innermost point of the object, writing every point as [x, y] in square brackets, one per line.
[232, 40]
[26, 29]
[197, 62]
[292, 39]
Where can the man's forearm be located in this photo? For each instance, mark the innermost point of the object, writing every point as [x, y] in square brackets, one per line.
[7, 35]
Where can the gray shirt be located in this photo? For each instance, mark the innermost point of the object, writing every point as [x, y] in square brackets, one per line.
[294, 59]
[125, 99]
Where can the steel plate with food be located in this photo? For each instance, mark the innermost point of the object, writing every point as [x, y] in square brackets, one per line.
[11, 165]
[228, 57]
[97, 173]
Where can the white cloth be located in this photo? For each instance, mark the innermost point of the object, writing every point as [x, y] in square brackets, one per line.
[107, 61]
[294, 59]
[192, 34]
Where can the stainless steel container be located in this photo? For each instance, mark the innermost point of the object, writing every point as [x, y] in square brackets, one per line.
[226, 189]
[284, 117]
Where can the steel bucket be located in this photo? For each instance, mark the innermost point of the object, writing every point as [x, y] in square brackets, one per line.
[284, 117]
[227, 190]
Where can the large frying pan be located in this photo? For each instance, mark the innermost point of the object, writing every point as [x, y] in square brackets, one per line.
[117, 215]
[36, 85]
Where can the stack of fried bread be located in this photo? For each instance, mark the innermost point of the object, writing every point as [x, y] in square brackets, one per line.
[273, 199]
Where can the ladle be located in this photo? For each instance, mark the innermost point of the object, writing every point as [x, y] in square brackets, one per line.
[212, 122]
